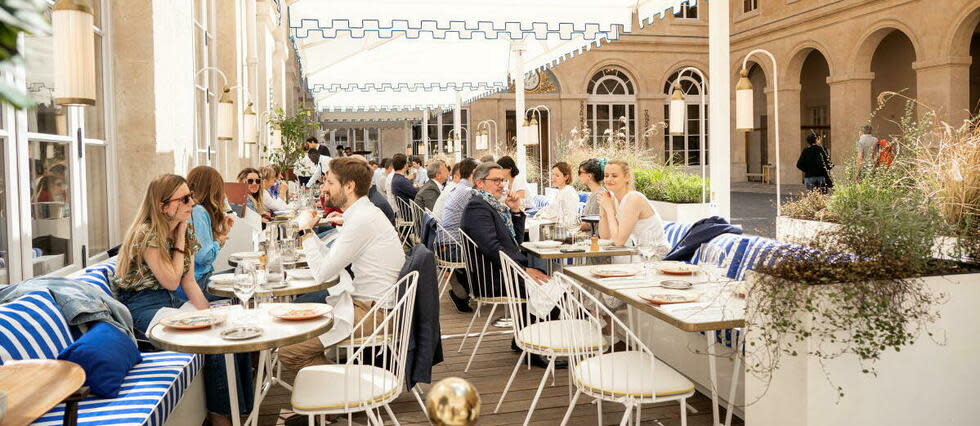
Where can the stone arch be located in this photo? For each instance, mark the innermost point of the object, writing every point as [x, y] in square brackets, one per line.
[677, 66]
[860, 58]
[800, 53]
[957, 41]
[624, 66]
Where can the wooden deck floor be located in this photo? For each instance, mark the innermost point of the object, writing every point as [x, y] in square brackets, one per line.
[489, 373]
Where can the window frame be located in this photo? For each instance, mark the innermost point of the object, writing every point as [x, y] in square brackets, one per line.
[689, 89]
[595, 101]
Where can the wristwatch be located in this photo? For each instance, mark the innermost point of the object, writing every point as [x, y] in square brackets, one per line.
[302, 232]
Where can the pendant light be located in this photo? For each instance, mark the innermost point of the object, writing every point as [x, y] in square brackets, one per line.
[744, 109]
[74, 52]
[532, 132]
[226, 116]
[250, 133]
[678, 109]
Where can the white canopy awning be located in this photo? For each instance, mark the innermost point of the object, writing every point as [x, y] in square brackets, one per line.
[411, 54]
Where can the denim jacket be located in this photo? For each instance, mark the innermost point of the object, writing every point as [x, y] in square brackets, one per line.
[80, 303]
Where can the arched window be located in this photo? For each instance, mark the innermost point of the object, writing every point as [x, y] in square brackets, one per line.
[686, 149]
[611, 105]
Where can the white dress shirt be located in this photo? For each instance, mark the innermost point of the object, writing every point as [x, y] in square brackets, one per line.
[376, 177]
[368, 243]
[272, 203]
[319, 171]
[441, 201]
[421, 176]
[565, 204]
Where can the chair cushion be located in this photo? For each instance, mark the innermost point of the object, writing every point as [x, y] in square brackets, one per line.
[329, 387]
[148, 394]
[675, 232]
[631, 373]
[106, 354]
[561, 336]
[32, 327]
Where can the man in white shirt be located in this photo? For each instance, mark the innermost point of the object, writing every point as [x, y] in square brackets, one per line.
[461, 172]
[417, 172]
[866, 147]
[366, 241]
[380, 173]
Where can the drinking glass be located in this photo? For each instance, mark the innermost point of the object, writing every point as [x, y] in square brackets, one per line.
[712, 260]
[647, 251]
[274, 268]
[245, 282]
[571, 225]
[287, 251]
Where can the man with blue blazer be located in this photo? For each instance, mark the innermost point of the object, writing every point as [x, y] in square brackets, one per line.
[495, 227]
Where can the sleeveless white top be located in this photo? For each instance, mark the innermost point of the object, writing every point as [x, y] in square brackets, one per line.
[651, 227]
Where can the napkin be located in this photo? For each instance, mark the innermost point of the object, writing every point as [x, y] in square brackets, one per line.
[542, 297]
[343, 319]
[166, 312]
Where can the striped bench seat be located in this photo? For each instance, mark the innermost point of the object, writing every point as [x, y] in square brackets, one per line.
[148, 396]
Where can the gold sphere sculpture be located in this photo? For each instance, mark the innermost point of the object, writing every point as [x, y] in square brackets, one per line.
[453, 402]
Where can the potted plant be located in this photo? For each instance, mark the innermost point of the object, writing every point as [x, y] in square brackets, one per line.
[867, 325]
[677, 196]
[294, 129]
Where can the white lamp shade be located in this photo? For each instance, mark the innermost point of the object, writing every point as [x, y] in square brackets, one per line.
[482, 141]
[678, 114]
[249, 131]
[74, 53]
[744, 108]
[532, 134]
[226, 119]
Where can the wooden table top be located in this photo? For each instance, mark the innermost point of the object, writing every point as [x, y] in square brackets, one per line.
[717, 308]
[555, 253]
[34, 387]
[294, 288]
[275, 333]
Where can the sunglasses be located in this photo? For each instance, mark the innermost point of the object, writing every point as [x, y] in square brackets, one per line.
[185, 199]
[253, 181]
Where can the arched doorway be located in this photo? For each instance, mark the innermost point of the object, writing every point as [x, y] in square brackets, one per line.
[612, 100]
[975, 72]
[685, 149]
[815, 98]
[758, 150]
[892, 68]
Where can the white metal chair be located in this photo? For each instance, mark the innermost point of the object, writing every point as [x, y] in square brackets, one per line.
[629, 374]
[404, 220]
[418, 213]
[539, 336]
[449, 254]
[486, 289]
[358, 385]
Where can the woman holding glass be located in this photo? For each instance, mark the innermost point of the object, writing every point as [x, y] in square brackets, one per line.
[211, 224]
[625, 215]
[155, 260]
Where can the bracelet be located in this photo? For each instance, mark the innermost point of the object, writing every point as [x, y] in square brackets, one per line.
[178, 250]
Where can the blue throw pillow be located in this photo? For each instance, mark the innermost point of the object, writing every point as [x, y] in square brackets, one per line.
[106, 354]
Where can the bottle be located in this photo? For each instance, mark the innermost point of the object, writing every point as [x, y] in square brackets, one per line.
[595, 243]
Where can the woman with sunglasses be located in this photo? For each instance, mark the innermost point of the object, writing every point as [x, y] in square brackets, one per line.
[156, 258]
[253, 191]
[271, 189]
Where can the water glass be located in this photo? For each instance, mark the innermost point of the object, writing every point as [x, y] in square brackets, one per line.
[274, 267]
[647, 251]
[245, 282]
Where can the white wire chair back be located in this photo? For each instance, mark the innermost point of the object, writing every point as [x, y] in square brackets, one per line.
[373, 375]
[448, 251]
[405, 220]
[484, 276]
[628, 373]
[418, 214]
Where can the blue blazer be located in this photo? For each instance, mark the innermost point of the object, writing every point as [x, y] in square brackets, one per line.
[482, 223]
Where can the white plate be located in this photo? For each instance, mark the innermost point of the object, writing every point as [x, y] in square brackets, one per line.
[548, 244]
[300, 274]
[246, 255]
[223, 279]
[609, 271]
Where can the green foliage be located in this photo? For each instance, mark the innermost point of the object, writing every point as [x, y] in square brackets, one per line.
[294, 129]
[18, 16]
[669, 183]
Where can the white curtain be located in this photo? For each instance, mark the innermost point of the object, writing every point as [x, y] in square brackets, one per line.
[173, 80]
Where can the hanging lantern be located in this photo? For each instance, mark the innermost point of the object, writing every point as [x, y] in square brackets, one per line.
[250, 133]
[482, 140]
[744, 109]
[74, 52]
[678, 110]
[226, 116]
[532, 132]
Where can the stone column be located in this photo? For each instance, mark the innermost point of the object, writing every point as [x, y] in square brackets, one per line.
[850, 97]
[790, 144]
[944, 85]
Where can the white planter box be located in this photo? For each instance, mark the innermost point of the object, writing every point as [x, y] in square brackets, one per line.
[800, 231]
[686, 213]
[924, 384]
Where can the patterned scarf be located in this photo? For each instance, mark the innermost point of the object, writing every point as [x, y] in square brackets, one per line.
[501, 209]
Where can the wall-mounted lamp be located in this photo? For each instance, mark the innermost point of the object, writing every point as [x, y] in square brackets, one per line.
[74, 52]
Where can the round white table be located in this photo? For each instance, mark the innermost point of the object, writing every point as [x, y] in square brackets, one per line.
[275, 333]
[294, 287]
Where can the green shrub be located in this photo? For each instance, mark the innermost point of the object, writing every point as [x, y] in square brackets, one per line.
[670, 184]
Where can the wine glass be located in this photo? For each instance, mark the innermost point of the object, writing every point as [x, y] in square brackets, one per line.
[570, 223]
[712, 260]
[245, 282]
[647, 250]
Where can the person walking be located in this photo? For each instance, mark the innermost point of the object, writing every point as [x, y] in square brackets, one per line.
[866, 148]
[815, 164]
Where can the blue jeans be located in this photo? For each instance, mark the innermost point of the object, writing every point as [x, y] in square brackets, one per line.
[815, 182]
[203, 284]
[143, 305]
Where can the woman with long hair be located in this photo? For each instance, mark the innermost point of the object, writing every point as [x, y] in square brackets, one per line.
[270, 183]
[624, 213]
[154, 261]
[253, 191]
[211, 224]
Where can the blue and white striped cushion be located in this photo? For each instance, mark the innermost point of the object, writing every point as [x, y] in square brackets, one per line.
[758, 248]
[148, 395]
[675, 232]
[99, 275]
[726, 242]
[32, 327]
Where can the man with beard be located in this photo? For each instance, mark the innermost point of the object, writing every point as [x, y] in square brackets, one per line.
[366, 241]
